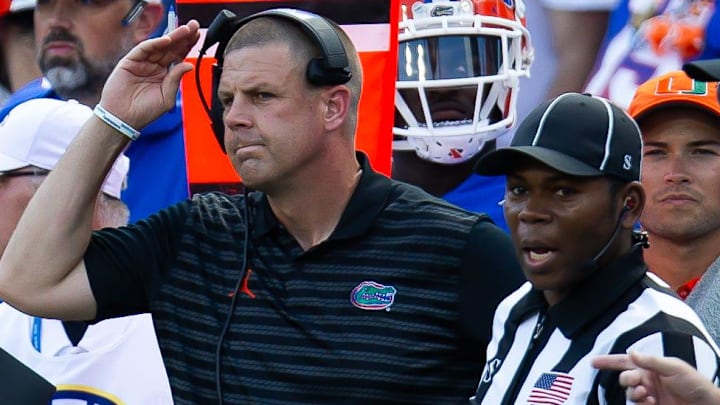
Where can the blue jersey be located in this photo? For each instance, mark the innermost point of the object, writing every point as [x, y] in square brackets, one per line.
[482, 194]
[158, 173]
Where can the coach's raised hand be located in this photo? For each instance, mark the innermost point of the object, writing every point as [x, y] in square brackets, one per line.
[144, 83]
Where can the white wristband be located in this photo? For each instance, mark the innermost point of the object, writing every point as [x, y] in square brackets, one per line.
[115, 122]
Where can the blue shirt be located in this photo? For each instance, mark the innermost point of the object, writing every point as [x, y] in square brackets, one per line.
[481, 194]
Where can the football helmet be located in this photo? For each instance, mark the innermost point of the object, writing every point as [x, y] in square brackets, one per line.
[459, 64]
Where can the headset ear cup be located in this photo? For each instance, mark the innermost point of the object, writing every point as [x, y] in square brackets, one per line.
[321, 75]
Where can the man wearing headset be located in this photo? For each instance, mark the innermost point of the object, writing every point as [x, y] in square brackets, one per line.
[330, 284]
[572, 198]
[77, 45]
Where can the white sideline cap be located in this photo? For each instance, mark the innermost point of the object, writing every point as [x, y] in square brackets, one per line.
[37, 133]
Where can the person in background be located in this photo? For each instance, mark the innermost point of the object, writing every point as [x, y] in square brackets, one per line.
[78, 43]
[114, 361]
[330, 283]
[656, 380]
[573, 197]
[17, 46]
[649, 38]
[567, 36]
[680, 123]
[663, 380]
[455, 94]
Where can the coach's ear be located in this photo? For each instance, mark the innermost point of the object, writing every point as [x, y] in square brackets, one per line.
[336, 102]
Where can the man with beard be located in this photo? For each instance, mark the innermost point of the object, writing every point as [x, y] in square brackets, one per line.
[680, 122]
[78, 44]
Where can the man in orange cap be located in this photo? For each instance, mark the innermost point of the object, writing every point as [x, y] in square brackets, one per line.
[680, 122]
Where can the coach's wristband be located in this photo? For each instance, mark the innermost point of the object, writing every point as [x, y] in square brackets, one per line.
[115, 122]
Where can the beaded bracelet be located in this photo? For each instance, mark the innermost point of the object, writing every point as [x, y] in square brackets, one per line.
[115, 122]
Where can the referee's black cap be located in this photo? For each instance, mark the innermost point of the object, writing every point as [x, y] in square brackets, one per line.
[576, 134]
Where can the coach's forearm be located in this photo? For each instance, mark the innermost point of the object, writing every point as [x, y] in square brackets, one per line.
[46, 250]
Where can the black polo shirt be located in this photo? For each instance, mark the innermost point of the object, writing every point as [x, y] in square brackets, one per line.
[394, 307]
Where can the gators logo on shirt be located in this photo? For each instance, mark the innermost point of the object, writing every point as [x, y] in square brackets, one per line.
[373, 296]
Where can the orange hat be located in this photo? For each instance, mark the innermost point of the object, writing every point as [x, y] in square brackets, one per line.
[673, 89]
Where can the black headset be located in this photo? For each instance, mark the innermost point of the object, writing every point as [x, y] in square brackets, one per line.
[332, 68]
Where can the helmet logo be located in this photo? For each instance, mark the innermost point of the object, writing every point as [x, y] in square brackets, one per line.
[442, 11]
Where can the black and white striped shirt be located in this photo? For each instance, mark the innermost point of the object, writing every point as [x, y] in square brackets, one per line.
[541, 355]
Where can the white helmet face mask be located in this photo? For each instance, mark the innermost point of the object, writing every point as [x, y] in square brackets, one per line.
[458, 75]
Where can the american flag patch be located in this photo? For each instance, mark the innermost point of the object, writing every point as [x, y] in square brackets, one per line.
[551, 388]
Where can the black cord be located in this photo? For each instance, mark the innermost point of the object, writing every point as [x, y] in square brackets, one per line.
[198, 85]
[236, 293]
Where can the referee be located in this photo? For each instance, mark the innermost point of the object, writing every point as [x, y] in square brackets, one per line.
[572, 198]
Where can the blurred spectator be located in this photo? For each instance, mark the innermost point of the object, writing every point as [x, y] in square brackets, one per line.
[17, 46]
[456, 94]
[162, 25]
[680, 123]
[78, 43]
[115, 361]
[567, 35]
[648, 38]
